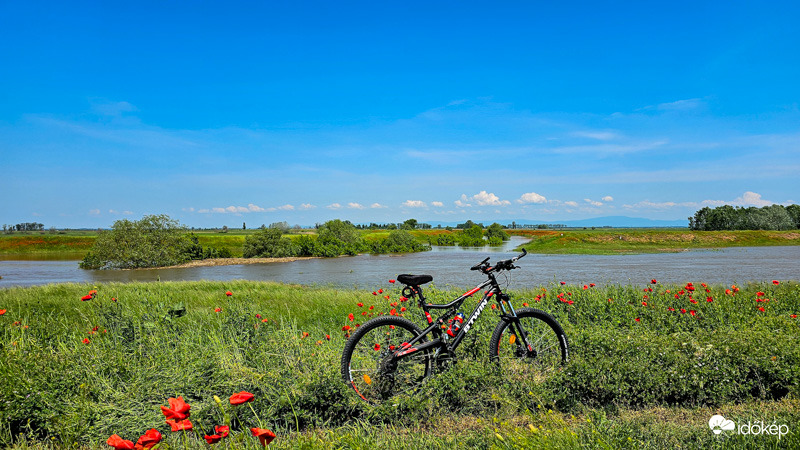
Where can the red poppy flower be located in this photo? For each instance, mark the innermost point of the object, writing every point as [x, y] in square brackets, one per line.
[360, 305]
[380, 291]
[391, 281]
[217, 309]
[374, 293]
[258, 316]
[86, 297]
[241, 397]
[179, 425]
[494, 306]
[393, 312]
[563, 283]
[228, 293]
[709, 299]
[644, 303]
[793, 316]
[638, 319]
[351, 317]
[346, 328]
[377, 347]
[591, 284]
[85, 340]
[150, 438]
[372, 307]
[305, 334]
[119, 443]
[264, 320]
[760, 294]
[178, 409]
[402, 309]
[683, 311]
[113, 299]
[213, 439]
[776, 282]
[263, 435]
[585, 287]
[524, 304]
[222, 430]
[2, 311]
[670, 309]
[727, 292]
[328, 337]
[761, 309]
[692, 312]
[653, 281]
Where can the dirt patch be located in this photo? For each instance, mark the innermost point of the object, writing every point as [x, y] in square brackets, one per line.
[233, 262]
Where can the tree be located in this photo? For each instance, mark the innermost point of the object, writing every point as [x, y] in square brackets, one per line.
[409, 224]
[495, 232]
[338, 237]
[794, 214]
[153, 241]
[267, 243]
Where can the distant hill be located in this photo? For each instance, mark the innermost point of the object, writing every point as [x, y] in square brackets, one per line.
[607, 221]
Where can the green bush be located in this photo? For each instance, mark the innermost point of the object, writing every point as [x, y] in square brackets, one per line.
[153, 241]
[268, 243]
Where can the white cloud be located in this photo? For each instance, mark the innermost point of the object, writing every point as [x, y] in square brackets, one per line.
[286, 208]
[414, 204]
[484, 198]
[571, 203]
[438, 204]
[532, 197]
[334, 206]
[462, 203]
[607, 198]
[307, 206]
[377, 205]
[598, 135]
[752, 199]
[94, 212]
[659, 205]
[355, 205]
[592, 202]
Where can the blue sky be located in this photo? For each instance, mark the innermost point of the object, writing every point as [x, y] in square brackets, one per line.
[218, 113]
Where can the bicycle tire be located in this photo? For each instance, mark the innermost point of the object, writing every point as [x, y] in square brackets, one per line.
[366, 351]
[549, 347]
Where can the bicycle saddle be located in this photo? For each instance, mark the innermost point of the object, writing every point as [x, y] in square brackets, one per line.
[414, 280]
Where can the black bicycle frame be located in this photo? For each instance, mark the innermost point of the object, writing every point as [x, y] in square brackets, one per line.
[435, 326]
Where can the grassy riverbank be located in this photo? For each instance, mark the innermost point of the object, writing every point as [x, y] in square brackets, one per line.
[620, 241]
[648, 368]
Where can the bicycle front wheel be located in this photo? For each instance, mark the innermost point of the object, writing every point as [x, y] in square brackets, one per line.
[529, 347]
[367, 359]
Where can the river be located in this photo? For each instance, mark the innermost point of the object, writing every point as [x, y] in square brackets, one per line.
[450, 267]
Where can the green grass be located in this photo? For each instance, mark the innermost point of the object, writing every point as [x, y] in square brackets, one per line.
[647, 383]
[616, 241]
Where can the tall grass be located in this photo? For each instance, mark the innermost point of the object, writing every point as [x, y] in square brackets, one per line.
[652, 382]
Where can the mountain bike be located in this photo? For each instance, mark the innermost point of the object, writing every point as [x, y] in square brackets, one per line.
[389, 354]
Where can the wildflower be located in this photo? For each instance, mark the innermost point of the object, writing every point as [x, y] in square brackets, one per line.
[228, 293]
[178, 409]
[494, 306]
[2, 311]
[149, 439]
[263, 435]
[391, 281]
[709, 299]
[585, 287]
[328, 337]
[372, 307]
[591, 284]
[258, 316]
[793, 316]
[346, 328]
[380, 291]
[86, 341]
[113, 299]
[692, 312]
[351, 317]
[776, 282]
[760, 294]
[377, 347]
[683, 311]
[402, 309]
[728, 292]
[671, 309]
[222, 430]
[305, 334]
[360, 305]
[644, 303]
[563, 283]
[86, 297]
[374, 293]
[638, 319]
[119, 443]
[213, 439]
[241, 397]
[524, 304]
[217, 309]
[179, 425]
[761, 308]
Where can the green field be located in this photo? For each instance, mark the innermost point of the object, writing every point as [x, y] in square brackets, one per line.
[642, 373]
[620, 241]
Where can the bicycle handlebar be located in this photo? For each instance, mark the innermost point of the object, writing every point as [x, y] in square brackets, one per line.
[506, 264]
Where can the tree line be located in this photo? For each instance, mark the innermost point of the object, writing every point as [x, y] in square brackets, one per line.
[26, 226]
[159, 241]
[726, 217]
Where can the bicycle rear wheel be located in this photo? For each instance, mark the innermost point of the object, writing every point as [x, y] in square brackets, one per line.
[367, 355]
[546, 351]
